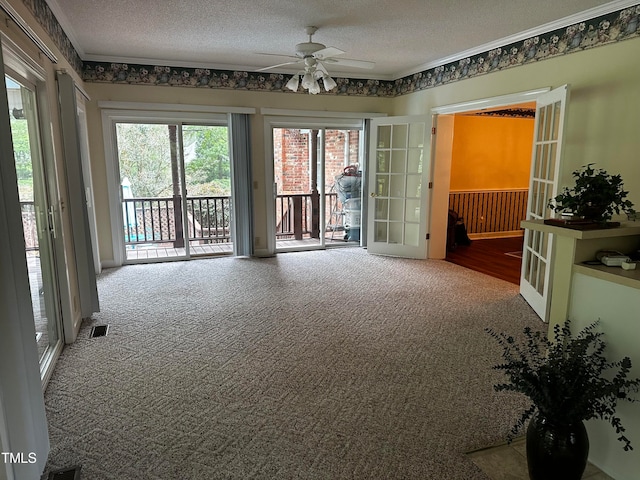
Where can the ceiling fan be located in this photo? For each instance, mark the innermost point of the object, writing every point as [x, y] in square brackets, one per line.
[313, 57]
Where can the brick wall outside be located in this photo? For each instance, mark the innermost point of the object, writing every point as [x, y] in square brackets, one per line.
[291, 157]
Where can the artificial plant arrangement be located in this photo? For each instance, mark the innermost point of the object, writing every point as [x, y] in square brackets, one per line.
[596, 196]
[568, 380]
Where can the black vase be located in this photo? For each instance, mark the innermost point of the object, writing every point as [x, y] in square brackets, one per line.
[556, 452]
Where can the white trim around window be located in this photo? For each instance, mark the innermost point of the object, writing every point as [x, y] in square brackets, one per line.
[109, 120]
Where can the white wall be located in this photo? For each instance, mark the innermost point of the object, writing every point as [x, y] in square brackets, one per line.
[617, 308]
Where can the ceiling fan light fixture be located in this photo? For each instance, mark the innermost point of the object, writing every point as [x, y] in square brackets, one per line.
[314, 89]
[293, 82]
[329, 83]
[308, 80]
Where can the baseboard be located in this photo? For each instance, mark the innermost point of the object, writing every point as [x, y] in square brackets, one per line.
[108, 264]
[487, 235]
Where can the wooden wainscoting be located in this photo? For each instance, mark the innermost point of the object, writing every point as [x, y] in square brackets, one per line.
[490, 213]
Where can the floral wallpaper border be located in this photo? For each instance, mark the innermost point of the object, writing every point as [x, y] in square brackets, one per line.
[47, 20]
[613, 27]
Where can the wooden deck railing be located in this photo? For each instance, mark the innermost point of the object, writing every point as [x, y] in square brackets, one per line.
[29, 225]
[152, 220]
[295, 218]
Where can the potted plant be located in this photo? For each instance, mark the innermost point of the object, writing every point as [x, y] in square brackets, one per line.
[596, 196]
[568, 380]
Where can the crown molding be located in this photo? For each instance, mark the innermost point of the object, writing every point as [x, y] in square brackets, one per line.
[518, 37]
[65, 24]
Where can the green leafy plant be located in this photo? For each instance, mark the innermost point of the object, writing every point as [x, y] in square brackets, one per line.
[568, 380]
[596, 195]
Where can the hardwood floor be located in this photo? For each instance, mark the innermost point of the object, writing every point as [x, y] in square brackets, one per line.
[497, 257]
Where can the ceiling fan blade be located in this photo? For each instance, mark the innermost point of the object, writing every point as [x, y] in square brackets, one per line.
[346, 62]
[278, 65]
[327, 53]
[278, 55]
[320, 67]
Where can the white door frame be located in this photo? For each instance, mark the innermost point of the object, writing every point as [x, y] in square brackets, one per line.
[109, 120]
[441, 171]
[321, 122]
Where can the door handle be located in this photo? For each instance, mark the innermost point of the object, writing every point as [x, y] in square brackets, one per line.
[372, 194]
[53, 226]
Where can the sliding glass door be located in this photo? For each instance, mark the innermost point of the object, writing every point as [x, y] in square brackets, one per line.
[317, 186]
[207, 179]
[37, 218]
[175, 190]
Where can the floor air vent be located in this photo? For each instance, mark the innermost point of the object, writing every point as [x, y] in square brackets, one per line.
[72, 473]
[99, 331]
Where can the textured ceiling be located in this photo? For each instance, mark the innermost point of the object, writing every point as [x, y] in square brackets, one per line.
[400, 36]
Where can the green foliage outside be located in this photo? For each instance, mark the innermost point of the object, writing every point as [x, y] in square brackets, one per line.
[22, 154]
[209, 171]
[145, 159]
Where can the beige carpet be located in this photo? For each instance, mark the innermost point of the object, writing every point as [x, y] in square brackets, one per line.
[317, 365]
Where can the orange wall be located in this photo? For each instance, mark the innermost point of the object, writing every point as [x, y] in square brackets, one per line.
[491, 153]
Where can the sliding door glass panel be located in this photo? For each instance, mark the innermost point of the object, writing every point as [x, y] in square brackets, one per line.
[175, 190]
[207, 169]
[36, 211]
[343, 179]
[297, 183]
[318, 182]
[151, 190]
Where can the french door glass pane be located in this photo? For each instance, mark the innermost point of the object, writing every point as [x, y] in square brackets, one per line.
[398, 183]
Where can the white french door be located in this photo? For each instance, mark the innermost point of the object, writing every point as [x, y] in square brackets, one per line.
[399, 169]
[535, 281]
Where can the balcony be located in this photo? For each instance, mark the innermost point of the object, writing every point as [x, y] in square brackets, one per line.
[153, 230]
